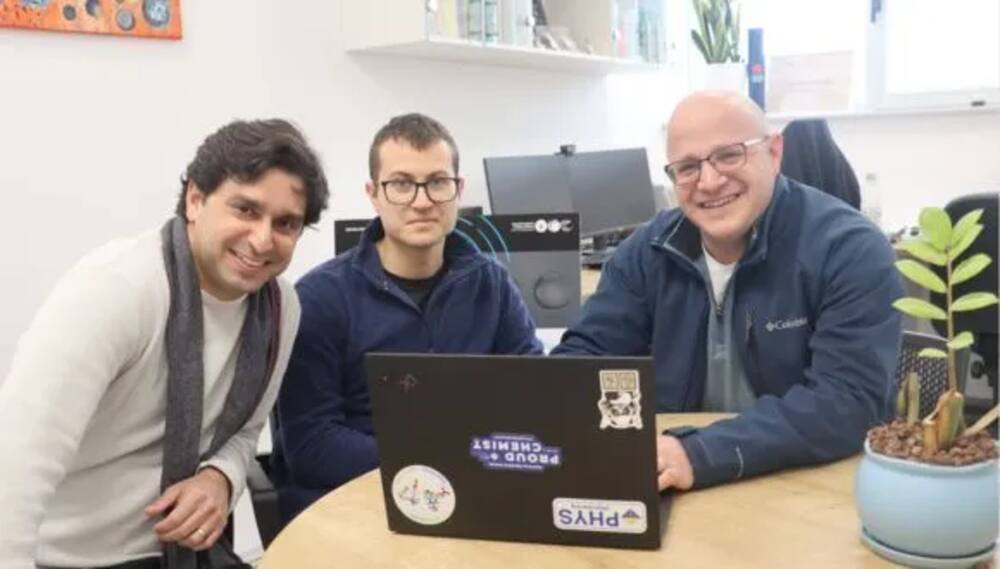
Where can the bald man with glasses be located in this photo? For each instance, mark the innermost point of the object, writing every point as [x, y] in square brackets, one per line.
[758, 296]
[411, 285]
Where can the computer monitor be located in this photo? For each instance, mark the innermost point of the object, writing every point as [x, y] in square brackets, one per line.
[528, 184]
[611, 190]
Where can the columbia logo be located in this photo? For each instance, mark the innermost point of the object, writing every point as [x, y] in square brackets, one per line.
[786, 324]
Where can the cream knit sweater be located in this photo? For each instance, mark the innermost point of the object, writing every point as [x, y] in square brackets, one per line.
[82, 411]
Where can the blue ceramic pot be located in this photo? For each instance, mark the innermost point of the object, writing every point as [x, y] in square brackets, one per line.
[927, 509]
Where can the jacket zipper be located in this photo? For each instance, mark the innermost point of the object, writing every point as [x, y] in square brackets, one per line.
[750, 347]
[718, 306]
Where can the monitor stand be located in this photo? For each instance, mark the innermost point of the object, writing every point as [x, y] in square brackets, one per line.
[602, 248]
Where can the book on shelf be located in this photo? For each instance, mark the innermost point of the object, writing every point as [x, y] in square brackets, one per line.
[445, 18]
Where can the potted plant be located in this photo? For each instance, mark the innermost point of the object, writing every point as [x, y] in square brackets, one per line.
[926, 488]
[717, 37]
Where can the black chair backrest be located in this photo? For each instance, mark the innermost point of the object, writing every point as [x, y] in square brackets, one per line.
[812, 157]
[933, 372]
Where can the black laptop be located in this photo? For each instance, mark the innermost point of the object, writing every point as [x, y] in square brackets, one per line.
[521, 448]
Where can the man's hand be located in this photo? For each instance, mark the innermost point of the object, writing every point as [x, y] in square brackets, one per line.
[673, 470]
[198, 508]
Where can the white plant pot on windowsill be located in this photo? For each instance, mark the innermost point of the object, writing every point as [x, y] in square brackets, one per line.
[726, 77]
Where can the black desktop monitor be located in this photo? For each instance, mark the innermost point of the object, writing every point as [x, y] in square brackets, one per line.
[528, 184]
[611, 190]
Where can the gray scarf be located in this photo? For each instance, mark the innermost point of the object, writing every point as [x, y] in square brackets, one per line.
[255, 362]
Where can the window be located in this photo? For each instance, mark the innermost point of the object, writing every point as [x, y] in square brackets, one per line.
[939, 52]
[801, 27]
[905, 53]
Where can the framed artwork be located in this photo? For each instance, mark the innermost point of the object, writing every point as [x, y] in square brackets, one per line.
[138, 18]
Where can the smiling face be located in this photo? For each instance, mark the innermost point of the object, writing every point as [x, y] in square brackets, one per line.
[243, 234]
[724, 207]
[422, 224]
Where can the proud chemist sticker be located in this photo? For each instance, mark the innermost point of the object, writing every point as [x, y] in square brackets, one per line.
[423, 494]
[514, 451]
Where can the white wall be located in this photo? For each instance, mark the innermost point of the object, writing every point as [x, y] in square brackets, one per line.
[921, 161]
[95, 131]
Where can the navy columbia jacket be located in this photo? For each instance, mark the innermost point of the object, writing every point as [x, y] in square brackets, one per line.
[814, 325]
[322, 424]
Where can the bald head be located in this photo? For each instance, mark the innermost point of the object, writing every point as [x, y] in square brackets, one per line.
[707, 111]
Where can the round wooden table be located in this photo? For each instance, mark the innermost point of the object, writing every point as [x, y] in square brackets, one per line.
[798, 518]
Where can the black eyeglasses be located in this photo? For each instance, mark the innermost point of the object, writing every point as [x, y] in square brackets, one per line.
[725, 160]
[404, 192]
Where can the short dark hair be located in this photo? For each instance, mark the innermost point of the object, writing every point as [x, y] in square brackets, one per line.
[246, 150]
[420, 131]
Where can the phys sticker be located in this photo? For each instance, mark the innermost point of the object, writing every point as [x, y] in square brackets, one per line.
[423, 494]
[605, 516]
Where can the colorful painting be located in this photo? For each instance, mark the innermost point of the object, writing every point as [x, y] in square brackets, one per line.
[140, 18]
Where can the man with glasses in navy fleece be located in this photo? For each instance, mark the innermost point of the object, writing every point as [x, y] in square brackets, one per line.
[411, 285]
[758, 296]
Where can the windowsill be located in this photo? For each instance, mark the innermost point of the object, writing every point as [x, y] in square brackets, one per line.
[888, 112]
[868, 114]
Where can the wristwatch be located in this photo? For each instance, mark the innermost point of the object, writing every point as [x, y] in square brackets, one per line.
[680, 432]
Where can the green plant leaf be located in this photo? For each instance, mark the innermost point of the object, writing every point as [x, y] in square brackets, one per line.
[964, 225]
[706, 30]
[706, 34]
[935, 225]
[912, 398]
[932, 353]
[924, 251]
[949, 416]
[970, 268]
[963, 340]
[718, 31]
[734, 39]
[974, 301]
[721, 41]
[970, 236]
[921, 275]
[717, 47]
[700, 44]
[901, 401]
[919, 308]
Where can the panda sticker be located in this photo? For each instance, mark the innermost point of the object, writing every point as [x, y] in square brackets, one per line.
[619, 404]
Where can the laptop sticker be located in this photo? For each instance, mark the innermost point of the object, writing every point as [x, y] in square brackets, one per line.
[606, 516]
[407, 383]
[423, 494]
[513, 451]
[619, 403]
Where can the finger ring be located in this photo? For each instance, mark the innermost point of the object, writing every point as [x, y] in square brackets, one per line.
[199, 533]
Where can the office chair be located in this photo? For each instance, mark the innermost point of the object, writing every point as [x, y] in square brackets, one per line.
[933, 372]
[812, 157]
[982, 323]
[264, 498]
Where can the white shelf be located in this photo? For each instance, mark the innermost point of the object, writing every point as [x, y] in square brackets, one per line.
[401, 28]
[447, 49]
[884, 113]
